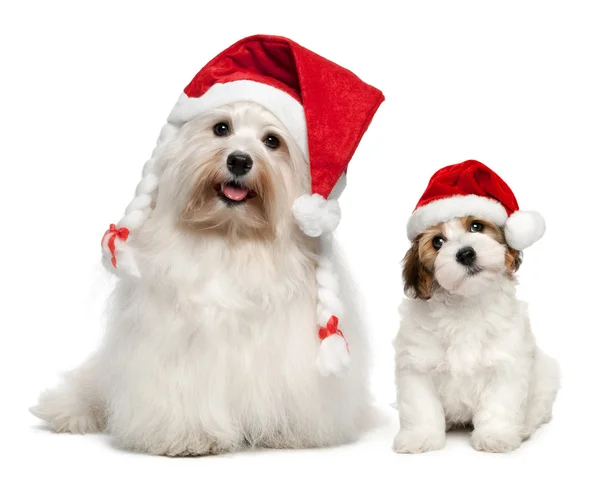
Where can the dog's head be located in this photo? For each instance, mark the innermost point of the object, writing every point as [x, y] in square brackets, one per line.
[234, 170]
[462, 256]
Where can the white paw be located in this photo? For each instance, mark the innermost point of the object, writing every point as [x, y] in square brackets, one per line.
[495, 441]
[418, 441]
[194, 449]
[187, 447]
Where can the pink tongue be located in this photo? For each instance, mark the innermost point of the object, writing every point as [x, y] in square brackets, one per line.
[235, 193]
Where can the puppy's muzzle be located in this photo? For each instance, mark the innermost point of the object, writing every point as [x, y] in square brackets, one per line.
[239, 163]
[466, 256]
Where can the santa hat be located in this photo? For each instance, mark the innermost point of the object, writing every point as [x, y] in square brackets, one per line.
[473, 189]
[326, 109]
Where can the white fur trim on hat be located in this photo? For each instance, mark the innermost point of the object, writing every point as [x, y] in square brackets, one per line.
[454, 207]
[523, 228]
[285, 107]
[315, 215]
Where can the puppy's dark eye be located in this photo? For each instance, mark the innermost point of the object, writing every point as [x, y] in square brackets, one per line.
[221, 129]
[476, 227]
[271, 141]
[437, 242]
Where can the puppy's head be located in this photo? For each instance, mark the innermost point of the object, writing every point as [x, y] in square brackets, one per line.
[462, 256]
[235, 171]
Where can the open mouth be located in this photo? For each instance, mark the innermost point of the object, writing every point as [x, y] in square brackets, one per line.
[233, 192]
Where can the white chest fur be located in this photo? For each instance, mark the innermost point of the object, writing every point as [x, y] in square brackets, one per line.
[461, 342]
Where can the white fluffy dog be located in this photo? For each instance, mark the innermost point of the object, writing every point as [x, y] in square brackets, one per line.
[465, 353]
[215, 347]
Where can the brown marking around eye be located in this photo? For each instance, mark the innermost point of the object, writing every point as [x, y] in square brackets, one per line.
[512, 259]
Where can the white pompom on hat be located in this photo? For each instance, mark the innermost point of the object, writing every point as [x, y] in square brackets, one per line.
[471, 188]
[325, 107]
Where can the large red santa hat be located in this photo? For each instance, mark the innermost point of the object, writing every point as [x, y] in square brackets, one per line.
[325, 107]
[472, 189]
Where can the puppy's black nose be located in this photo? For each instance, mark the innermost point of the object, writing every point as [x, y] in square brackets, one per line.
[466, 256]
[239, 163]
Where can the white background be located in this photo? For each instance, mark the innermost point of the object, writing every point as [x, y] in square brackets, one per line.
[85, 89]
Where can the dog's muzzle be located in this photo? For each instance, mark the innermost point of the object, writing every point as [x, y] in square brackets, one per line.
[239, 163]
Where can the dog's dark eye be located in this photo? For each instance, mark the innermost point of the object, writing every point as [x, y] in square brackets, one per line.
[271, 141]
[221, 129]
[438, 242]
[476, 227]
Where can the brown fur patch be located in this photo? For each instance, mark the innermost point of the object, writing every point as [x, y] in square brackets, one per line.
[512, 259]
[418, 265]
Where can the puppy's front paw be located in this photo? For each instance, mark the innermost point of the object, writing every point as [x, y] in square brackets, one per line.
[495, 441]
[407, 441]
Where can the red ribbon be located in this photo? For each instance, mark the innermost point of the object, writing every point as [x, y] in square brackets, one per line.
[122, 233]
[331, 329]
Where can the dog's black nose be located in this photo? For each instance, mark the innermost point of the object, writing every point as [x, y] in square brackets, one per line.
[466, 256]
[239, 163]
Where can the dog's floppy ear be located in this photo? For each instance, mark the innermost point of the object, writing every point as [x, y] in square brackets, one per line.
[418, 280]
[513, 259]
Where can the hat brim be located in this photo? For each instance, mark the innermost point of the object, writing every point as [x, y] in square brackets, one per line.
[285, 107]
[442, 210]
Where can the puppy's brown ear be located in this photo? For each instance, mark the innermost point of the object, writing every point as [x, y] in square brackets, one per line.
[418, 280]
[513, 260]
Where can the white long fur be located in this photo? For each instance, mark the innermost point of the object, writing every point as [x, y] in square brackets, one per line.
[215, 345]
[334, 357]
[468, 355]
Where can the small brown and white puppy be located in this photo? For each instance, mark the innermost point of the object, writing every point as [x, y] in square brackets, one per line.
[465, 353]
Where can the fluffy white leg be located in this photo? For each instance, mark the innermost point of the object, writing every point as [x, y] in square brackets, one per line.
[544, 385]
[76, 405]
[166, 417]
[159, 424]
[159, 400]
[499, 419]
[422, 421]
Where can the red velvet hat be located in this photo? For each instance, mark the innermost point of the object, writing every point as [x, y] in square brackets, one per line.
[472, 189]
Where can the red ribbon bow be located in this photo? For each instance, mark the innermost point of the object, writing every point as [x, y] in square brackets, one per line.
[115, 232]
[331, 329]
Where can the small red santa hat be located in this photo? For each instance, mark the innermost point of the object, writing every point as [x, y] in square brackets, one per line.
[472, 189]
[325, 107]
